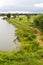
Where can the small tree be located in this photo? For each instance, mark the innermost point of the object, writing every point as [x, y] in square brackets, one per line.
[8, 15]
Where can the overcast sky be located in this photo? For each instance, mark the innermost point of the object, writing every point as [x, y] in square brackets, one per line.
[21, 5]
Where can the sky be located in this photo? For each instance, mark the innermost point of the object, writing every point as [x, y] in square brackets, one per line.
[21, 6]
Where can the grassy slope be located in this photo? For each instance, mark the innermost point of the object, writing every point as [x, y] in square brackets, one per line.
[30, 52]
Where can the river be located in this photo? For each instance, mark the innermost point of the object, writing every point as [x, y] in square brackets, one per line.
[7, 36]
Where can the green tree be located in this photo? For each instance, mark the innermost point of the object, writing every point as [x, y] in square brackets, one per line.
[8, 15]
[39, 21]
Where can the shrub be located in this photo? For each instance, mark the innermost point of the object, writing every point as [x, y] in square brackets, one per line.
[8, 15]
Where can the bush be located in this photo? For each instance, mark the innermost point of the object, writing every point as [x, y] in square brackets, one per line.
[8, 15]
[39, 21]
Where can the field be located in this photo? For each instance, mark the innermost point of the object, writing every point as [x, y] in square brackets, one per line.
[30, 35]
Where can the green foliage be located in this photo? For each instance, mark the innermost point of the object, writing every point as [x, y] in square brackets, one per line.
[28, 16]
[14, 15]
[30, 52]
[8, 15]
[20, 19]
[39, 21]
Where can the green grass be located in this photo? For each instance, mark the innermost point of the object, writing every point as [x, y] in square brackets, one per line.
[30, 52]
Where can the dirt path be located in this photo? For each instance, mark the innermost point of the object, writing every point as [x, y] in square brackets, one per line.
[38, 35]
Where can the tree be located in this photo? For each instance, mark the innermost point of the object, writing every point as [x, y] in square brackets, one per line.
[8, 15]
[39, 21]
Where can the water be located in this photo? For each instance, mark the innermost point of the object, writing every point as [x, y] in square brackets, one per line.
[7, 36]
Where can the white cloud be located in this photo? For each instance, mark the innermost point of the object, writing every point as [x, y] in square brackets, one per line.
[7, 3]
[39, 5]
[21, 5]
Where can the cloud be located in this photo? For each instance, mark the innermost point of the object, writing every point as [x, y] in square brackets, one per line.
[21, 5]
[7, 3]
[39, 5]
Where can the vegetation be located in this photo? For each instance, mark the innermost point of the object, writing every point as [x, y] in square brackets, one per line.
[8, 15]
[39, 21]
[30, 51]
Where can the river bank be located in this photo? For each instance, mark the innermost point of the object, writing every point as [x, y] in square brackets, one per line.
[30, 51]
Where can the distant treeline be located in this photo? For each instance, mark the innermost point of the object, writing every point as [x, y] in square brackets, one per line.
[12, 14]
